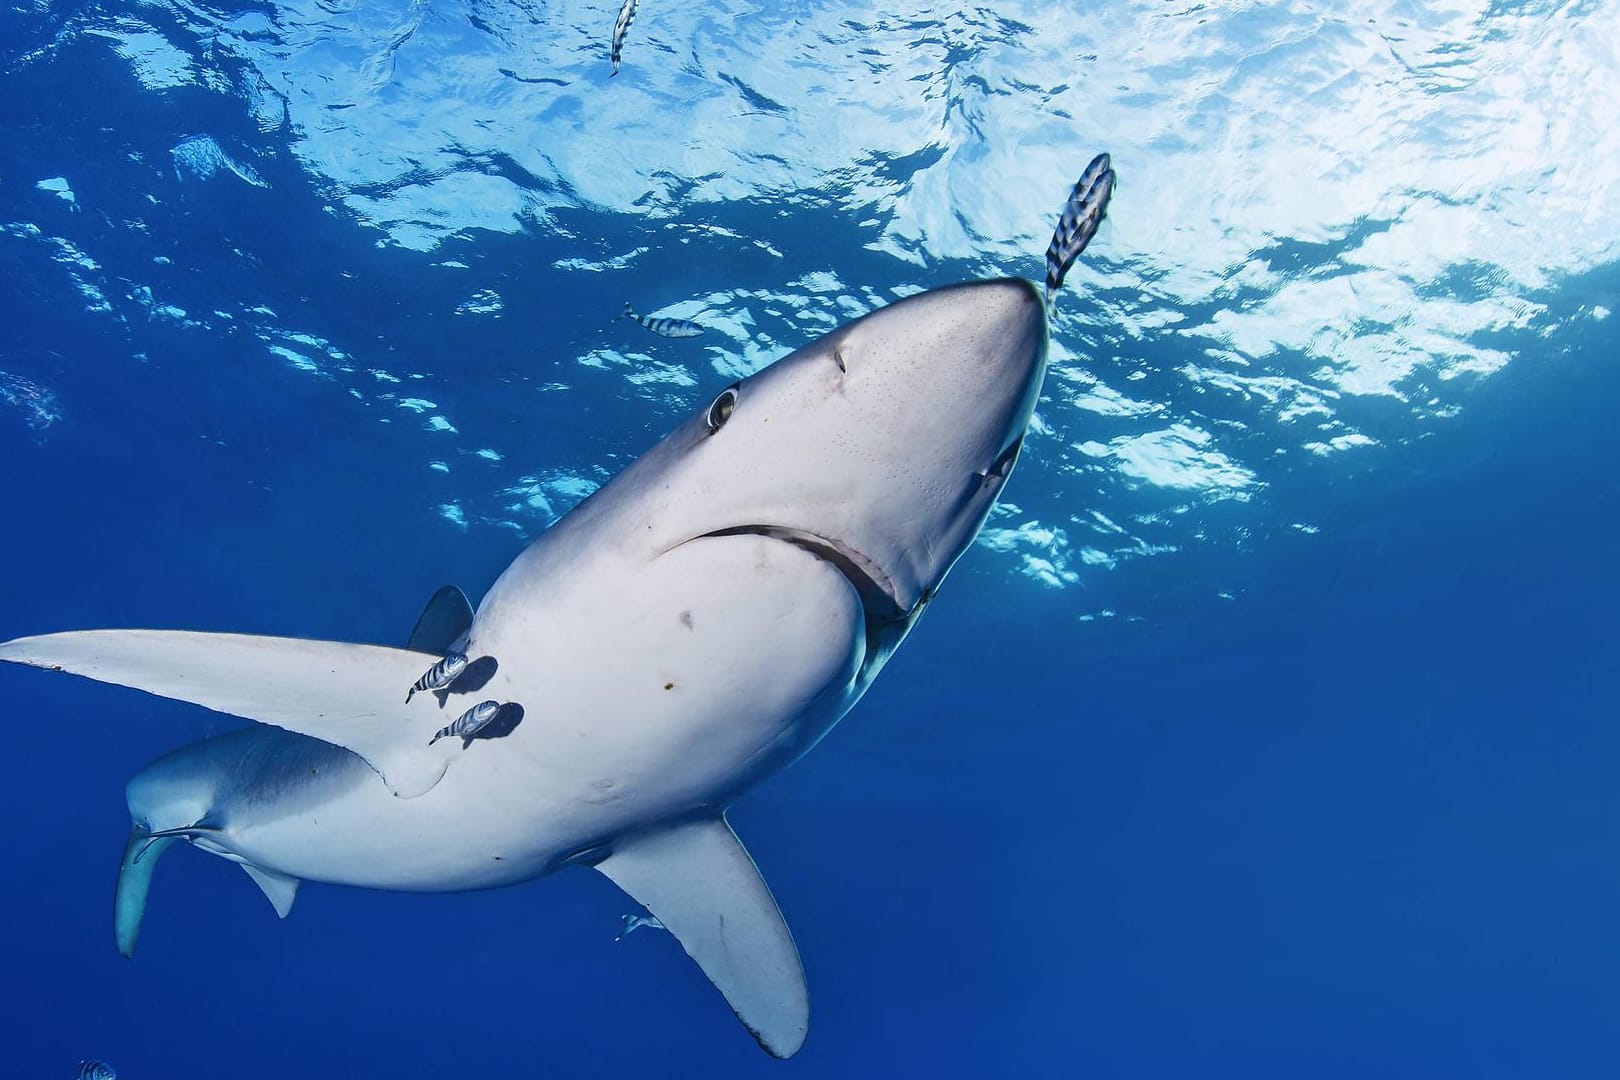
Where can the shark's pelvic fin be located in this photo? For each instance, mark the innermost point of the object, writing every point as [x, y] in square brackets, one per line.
[444, 622]
[141, 856]
[278, 888]
[700, 883]
[347, 695]
[184, 832]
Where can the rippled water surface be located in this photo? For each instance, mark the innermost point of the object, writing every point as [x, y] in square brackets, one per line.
[1270, 727]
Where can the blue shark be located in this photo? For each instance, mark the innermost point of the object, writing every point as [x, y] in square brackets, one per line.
[693, 627]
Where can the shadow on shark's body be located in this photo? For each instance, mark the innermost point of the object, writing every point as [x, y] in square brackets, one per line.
[507, 719]
[477, 676]
[694, 626]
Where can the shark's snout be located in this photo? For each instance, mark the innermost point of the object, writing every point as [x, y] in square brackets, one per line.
[996, 326]
[939, 392]
[1006, 305]
[878, 593]
[880, 448]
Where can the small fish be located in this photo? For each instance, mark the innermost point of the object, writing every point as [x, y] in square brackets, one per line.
[470, 722]
[666, 327]
[95, 1070]
[1084, 211]
[621, 27]
[636, 922]
[440, 675]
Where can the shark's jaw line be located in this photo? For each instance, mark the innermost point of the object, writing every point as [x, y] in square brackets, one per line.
[877, 590]
[887, 620]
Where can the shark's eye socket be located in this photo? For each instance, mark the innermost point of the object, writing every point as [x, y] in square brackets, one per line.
[723, 407]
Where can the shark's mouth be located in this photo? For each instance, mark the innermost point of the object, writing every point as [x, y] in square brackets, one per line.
[879, 596]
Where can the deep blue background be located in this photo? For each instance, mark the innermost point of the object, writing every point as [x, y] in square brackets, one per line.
[1358, 819]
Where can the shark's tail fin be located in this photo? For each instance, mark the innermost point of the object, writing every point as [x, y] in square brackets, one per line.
[141, 856]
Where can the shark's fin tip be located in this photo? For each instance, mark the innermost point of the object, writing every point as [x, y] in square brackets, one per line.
[700, 883]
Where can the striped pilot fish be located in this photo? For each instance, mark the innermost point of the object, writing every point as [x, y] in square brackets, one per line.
[440, 675]
[621, 27]
[1084, 211]
[666, 327]
[95, 1070]
[469, 723]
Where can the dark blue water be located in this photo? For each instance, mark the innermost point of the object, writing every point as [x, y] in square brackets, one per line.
[1297, 760]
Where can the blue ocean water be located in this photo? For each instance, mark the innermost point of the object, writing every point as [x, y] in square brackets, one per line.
[1267, 731]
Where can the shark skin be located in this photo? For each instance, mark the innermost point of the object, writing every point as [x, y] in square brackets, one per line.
[697, 624]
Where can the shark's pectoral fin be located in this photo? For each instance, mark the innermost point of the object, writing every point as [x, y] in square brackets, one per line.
[134, 882]
[347, 695]
[278, 888]
[701, 884]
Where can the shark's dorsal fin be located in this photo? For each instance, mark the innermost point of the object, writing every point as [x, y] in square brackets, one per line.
[444, 621]
[278, 888]
[347, 695]
[701, 884]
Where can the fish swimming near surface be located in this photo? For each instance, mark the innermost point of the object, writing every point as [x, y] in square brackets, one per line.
[664, 327]
[621, 27]
[469, 723]
[1084, 211]
[636, 922]
[695, 626]
[439, 676]
[95, 1070]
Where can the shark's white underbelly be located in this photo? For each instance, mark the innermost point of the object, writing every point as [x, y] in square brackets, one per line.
[701, 692]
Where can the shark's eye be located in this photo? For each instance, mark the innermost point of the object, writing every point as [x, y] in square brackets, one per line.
[723, 407]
